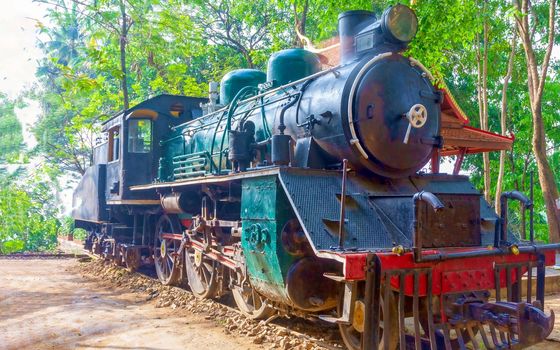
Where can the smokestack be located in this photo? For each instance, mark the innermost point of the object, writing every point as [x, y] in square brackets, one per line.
[349, 24]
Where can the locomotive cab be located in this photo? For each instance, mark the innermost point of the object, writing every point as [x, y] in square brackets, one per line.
[129, 155]
[133, 139]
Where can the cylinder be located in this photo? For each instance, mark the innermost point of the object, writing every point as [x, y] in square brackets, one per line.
[173, 203]
[307, 287]
[349, 24]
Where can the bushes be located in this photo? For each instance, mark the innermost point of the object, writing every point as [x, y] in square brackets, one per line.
[67, 227]
[28, 211]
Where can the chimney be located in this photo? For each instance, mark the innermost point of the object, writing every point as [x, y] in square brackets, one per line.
[349, 24]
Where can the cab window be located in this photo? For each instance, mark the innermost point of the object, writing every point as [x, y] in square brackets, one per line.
[114, 144]
[139, 135]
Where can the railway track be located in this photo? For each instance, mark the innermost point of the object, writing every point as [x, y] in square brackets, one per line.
[56, 255]
[279, 333]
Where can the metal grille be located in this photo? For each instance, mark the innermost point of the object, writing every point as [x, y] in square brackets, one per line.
[316, 199]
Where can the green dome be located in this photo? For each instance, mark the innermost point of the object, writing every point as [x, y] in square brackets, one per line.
[290, 65]
[236, 80]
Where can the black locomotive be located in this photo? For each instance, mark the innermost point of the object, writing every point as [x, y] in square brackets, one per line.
[299, 191]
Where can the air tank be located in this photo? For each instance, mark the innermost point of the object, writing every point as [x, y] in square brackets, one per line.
[236, 80]
[290, 65]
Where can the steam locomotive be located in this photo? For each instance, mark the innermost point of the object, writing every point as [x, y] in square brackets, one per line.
[300, 192]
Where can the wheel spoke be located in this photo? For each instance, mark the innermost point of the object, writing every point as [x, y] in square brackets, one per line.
[253, 297]
[164, 268]
[205, 274]
[169, 265]
[208, 266]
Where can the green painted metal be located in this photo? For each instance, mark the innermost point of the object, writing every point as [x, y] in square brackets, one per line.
[290, 65]
[264, 211]
[236, 80]
[208, 135]
[172, 147]
[200, 147]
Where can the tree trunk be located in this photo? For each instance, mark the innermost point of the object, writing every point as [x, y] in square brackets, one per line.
[535, 84]
[300, 23]
[123, 36]
[482, 95]
[248, 58]
[546, 176]
[503, 119]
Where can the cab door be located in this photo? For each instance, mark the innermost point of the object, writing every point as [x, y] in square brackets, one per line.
[137, 169]
[113, 169]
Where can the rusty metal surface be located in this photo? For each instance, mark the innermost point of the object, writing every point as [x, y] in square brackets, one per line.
[307, 287]
[458, 224]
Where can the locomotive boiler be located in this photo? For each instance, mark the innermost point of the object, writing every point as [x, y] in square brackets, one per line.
[300, 191]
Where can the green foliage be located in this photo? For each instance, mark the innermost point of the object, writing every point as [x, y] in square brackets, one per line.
[11, 138]
[67, 227]
[27, 213]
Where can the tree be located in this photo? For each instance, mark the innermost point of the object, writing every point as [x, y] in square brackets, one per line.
[300, 22]
[243, 26]
[27, 212]
[126, 23]
[503, 121]
[11, 138]
[482, 94]
[526, 26]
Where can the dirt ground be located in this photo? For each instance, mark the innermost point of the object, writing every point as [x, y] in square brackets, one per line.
[45, 306]
[48, 304]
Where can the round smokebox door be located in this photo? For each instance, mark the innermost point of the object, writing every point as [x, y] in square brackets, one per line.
[396, 115]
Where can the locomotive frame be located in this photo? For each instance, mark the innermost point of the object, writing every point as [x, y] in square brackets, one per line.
[314, 206]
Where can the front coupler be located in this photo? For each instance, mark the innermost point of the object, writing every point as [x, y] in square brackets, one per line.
[518, 325]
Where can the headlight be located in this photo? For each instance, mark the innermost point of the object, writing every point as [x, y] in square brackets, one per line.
[399, 24]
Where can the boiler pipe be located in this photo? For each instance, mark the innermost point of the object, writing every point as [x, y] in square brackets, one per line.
[436, 204]
[341, 232]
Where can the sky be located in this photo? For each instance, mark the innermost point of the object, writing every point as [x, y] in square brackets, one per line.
[18, 60]
[19, 54]
[18, 63]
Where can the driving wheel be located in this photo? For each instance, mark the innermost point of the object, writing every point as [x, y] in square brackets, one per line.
[201, 273]
[251, 303]
[166, 251]
[352, 334]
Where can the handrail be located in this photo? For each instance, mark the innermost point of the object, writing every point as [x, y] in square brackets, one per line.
[500, 234]
[436, 204]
